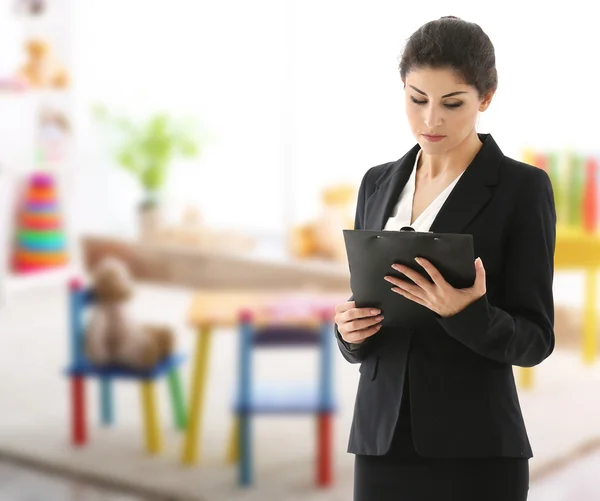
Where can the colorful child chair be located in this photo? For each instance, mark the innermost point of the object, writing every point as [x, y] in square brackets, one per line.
[80, 369]
[253, 399]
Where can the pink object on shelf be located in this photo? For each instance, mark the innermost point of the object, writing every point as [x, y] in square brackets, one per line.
[13, 84]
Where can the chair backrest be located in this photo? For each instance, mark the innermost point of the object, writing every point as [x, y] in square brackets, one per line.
[79, 298]
[312, 333]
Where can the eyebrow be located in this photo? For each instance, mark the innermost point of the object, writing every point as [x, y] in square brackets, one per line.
[446, 95]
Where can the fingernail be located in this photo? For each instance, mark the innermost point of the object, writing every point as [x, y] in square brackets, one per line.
[418, 259]
[375, 312]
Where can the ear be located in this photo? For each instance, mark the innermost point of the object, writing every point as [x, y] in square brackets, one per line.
[486, 101]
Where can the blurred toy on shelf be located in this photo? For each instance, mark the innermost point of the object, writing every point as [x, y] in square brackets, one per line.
[323, 237]
[42, 70]
[30, 7]
[191, 232]
[41, 243]
[53, 135]
[574, 178]
[112, 337]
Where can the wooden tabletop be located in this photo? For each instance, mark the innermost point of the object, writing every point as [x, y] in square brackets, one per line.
[198, 268]
[223, 308]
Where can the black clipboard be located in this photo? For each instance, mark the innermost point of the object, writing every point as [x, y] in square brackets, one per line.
[372, 253]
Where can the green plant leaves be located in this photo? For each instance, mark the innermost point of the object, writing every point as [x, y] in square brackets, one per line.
[147, 149]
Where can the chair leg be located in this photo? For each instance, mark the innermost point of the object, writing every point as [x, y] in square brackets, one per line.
[233, 449]
[245, 446]
[150, 412]
[107, 416]
[324, 449]
[177, 401]
[79, 434]
[191, 446]
[526, 377]
[590, 347]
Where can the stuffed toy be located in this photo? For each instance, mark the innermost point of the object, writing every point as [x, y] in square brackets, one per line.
[323, 238]
[41, 69]
[112, 337]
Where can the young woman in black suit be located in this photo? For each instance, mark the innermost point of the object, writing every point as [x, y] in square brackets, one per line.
[437, 416]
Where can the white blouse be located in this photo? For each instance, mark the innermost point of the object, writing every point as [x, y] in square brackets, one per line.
[402, 213]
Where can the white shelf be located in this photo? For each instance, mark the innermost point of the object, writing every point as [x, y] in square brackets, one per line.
[19, 141]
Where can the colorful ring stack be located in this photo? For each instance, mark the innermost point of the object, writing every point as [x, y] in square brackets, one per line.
[40, 239]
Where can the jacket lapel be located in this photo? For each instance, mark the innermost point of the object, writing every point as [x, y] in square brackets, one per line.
[470, 195]
[473, 190]
[389, 186]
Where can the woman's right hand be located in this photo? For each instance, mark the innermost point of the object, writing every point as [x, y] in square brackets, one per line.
[356, 324]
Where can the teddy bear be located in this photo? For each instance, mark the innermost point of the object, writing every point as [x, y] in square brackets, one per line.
[41, 69]
[324, 237]
[112, 336]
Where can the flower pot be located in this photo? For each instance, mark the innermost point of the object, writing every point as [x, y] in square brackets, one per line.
[150, 222]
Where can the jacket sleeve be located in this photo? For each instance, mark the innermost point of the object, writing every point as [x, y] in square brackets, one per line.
[356, 353]
[353, 353]
[522, 332]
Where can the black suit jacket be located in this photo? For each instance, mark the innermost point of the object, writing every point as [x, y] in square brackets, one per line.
[463, 396]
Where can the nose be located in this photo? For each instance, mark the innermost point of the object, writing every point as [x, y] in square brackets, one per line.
[433, 117]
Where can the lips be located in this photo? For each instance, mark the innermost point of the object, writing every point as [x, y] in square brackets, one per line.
[433, 139]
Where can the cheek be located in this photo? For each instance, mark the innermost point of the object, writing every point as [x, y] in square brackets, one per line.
[462, 119]
[414, 116]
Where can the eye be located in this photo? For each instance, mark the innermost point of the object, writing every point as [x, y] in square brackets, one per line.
[453, 105]
[416, 101]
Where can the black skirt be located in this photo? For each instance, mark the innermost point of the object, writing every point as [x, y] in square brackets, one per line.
[403, 475]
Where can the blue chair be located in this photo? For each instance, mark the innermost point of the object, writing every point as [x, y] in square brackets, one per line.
[283, 398]
[80, 369]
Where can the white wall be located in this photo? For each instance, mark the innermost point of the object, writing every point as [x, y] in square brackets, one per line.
[300, 94]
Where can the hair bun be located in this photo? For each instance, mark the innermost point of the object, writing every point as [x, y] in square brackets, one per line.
[450, 17]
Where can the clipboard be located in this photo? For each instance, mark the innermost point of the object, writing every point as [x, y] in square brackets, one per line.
[372, 253]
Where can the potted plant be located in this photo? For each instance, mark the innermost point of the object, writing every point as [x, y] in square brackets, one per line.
[147, 149]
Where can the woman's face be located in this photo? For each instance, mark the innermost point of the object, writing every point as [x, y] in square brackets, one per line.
[441, 108]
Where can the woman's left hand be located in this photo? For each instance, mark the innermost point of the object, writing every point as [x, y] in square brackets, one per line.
[438, 296]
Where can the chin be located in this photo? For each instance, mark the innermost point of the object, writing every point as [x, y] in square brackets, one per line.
[434, 148]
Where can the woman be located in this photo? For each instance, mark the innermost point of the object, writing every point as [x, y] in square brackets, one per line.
[437, 415]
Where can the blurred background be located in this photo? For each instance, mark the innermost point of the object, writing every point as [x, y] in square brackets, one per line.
[187, 160]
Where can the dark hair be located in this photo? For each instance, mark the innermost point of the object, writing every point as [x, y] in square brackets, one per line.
[450, 42]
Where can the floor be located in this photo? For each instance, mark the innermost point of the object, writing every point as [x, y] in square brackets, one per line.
[576, 482]
[21, 484]
[562, 413]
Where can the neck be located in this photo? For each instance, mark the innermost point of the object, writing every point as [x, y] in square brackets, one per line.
[452, 162]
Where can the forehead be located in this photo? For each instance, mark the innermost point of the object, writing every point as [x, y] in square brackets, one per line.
[437, 81]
